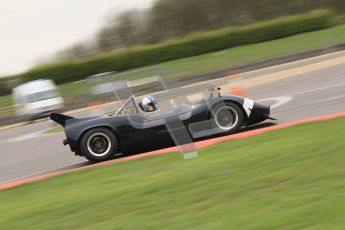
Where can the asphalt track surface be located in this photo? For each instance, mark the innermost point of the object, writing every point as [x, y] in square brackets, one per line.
[24, 154]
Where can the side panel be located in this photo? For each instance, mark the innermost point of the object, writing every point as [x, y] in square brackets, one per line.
[133, 132]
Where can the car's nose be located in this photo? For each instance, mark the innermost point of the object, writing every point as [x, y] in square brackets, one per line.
[259, 113]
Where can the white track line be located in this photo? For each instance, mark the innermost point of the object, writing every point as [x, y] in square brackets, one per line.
[305, 92]
[332, 98]
[41, 172]
[317, 89]
[26, 137]
[279, 101]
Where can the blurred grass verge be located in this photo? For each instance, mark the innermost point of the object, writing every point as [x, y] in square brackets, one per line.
[288, 179]
[230, 58]
[192, 45]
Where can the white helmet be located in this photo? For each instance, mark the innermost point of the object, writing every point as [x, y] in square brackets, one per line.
[148, 104]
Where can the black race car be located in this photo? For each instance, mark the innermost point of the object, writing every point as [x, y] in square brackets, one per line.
[143, 126]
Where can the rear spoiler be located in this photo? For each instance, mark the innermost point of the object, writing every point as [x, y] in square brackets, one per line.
[60, 118]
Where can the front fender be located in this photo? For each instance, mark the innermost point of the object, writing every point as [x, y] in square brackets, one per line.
[240, 101]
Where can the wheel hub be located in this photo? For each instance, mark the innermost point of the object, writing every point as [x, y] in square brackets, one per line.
[99, 144]
[226, 118]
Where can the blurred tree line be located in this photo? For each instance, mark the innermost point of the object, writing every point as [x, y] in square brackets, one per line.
[168, 19]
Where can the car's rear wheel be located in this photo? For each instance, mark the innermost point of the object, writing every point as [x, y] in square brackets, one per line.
[227, 117]
[98, 145]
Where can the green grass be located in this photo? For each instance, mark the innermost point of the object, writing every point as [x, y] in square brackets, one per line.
[6, 108]
[258, 52]
[234, 57]
[288, 179]
[5, 101]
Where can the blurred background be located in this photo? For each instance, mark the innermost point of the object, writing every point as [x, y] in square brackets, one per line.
[197, 39]
[75, 56]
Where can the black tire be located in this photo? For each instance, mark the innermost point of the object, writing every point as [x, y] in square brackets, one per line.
[227, 117]
[98, 145]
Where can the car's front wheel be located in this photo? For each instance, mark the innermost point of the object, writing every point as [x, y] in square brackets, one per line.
[98, 145]
[227, 117]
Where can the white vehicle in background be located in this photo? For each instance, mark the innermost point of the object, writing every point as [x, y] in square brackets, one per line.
[37, 99]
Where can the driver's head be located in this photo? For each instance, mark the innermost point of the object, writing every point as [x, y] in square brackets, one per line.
[148, 104]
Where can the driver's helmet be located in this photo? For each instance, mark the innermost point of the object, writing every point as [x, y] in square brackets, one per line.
[148, 104]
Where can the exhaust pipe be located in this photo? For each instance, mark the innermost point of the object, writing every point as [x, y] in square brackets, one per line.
[65, 142]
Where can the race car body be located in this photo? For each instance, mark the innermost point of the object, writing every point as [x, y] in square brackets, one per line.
[101, 138]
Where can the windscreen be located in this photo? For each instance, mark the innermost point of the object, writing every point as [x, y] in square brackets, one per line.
[41, 96]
